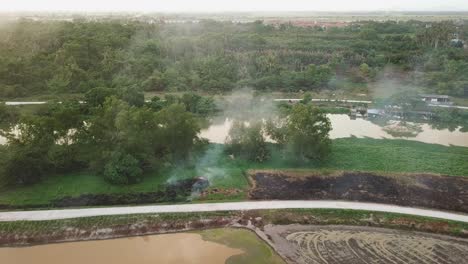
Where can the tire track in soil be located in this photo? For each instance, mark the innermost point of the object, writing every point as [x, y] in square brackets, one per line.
[336, 244]
[326, 246]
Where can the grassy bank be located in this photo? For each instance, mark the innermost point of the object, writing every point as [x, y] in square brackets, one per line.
[382, 155]
[37, 232]
[354, 154]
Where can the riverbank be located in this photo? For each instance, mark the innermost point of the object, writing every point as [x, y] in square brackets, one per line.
[228, 178]
[26, 233]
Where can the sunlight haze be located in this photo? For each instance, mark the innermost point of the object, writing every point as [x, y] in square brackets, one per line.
[239, 5]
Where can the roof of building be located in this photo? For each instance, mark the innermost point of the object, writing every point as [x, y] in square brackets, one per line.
[374, 111]
[435, 96]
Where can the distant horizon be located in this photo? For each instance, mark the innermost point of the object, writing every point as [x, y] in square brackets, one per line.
[239, 6]
[231, 12]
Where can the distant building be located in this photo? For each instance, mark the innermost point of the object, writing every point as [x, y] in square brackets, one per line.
[436, 99]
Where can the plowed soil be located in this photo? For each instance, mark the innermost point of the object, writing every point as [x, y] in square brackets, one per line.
[355, 245]
[416, 190]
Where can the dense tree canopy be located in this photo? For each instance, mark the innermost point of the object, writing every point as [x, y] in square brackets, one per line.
[114, 138]
[110, 64]
[247, 141]
[304, 132]
[76, 57]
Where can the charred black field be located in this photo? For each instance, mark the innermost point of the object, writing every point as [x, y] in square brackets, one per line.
[417, 190]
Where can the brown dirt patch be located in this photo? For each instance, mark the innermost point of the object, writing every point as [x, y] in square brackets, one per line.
[344, 244]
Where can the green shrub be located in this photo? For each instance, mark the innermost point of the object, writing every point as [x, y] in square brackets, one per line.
[122, 169]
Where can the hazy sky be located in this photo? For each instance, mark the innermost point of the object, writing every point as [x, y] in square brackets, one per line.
[233, 5]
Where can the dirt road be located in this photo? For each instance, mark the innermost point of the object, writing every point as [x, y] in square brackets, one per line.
[234, 206]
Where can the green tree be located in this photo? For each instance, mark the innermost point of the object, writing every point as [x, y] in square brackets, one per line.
[25, 165]
[307, 98]
[155, 82]
[305, 132]
[247, 141]
[122, 169]
[437, 34]
[97, 96]
[364, 69]
[8, 116]
[133, 96]
[148, 136]
[369, 34]
[197, 104]
[179, 130]
[27, 159]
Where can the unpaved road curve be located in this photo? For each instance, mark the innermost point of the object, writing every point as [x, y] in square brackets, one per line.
[234, 206]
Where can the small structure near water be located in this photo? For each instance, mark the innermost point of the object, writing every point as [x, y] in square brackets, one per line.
[436, 99]
[374, 113]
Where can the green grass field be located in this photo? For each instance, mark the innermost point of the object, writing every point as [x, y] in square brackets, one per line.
[352, 154]
[380, 155]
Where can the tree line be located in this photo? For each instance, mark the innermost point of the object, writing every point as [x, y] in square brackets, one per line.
[54, 58]
[300, 133]
[115, 136]
[122, 140]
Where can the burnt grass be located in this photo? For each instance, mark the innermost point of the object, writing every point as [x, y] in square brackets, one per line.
[416, 190]
[179, 191]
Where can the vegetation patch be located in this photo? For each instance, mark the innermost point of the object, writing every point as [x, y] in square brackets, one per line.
[228, 176]
[256, 251]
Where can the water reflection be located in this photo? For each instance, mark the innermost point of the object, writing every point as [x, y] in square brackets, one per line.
[343, 126]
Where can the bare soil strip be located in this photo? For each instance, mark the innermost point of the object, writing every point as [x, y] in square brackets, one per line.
[414, 190]
[349, 245]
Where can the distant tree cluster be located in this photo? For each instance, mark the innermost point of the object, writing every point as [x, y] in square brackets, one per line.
[75, 57]
[303, 134]
[113, 136]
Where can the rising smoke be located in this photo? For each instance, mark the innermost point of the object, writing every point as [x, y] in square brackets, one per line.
[241, 105]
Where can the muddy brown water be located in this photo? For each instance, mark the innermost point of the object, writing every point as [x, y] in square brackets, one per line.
[343, 126]
[162, 249]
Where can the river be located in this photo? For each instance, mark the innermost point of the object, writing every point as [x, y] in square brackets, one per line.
[343, 126]
[164, 249]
